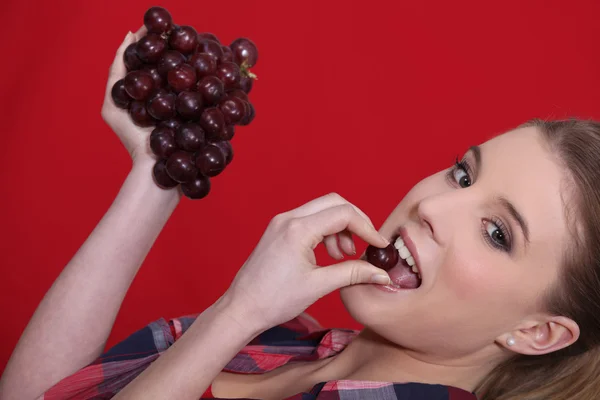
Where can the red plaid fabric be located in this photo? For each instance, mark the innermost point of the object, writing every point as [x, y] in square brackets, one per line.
[301, 339]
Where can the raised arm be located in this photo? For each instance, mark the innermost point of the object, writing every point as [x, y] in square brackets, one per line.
[73, 321]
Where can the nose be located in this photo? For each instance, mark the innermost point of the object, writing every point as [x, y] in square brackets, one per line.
[438, 213]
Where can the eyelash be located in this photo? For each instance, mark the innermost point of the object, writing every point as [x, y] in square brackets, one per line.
[466, 167]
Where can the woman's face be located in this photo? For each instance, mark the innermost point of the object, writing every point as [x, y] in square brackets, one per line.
[483, 272]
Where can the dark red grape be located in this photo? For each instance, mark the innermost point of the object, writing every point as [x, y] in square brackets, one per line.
[139, 114]
[181, 168]
[158, 20]
[229, 73]
[131, 59]
[226, 148]
[385, 258]
[210, 160]
[238, 93]
[139, 84]
[158, 80]
[189, 105]
[119, 95]
[184, 39]
[227, 54]
[190, 137]
[211, 88]
[151, 47]
[197, 189]
[244, 52]
[246, 83]
[172, 123]
[161, 177]
[249, 116]
[169, 60]
[233, 109]
[228, 132]
[162, 142]
[161, 104]
[211, 47]
[182, 77]
[213, 122]
[208, 35]
[204, 64]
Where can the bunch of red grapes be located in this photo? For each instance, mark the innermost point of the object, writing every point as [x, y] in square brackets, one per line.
[194, 90]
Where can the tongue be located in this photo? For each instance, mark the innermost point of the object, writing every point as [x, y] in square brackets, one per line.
[403, 276]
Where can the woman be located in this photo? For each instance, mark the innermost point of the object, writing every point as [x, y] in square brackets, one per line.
[506, 244]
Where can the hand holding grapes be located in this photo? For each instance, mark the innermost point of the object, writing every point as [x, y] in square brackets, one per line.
[133, 137]
[281, 279]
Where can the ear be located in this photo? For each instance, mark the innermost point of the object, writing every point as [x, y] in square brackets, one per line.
[542, 336]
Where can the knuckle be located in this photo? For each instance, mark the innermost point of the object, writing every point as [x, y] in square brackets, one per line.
[278, 221]
[354, 275]
[334, 197]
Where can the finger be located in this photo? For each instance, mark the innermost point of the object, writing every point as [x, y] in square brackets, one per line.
[348, 273]
[331, 244]
[140, 33]
[323, 202]
[314, 228]
[117, 69]
[346, 242]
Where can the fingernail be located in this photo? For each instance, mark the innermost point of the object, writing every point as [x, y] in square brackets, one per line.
[381, 279]
[387, 242]
[353, 248]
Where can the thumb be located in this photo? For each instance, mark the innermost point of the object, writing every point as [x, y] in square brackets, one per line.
[349, 273]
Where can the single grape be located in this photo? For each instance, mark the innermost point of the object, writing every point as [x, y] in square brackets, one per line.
[169, 60]
[228, 132]
[181, 168]
[207, 35]
[139, 84]
[204, 64]
[385, 258]
[158, 80]
[184, 39]
[229, 73]
[158, 20]
[249, 116]
[246, 83]
[161, 104]
[233, 109]
[151, 47]
[210, 161]
[139, 114]
[213, 122]
[197, 189]
[244, 52]
[161, 177]
[211, 47]
[162, 142]
[238, 93]
[227, 54]
[226, 148]
[211, 88]
[190, 137]
[182, 77]
[173, 123]
[131, 59]
[189, 105]
[119, 95]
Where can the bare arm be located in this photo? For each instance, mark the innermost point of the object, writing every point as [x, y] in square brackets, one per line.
[72, 323]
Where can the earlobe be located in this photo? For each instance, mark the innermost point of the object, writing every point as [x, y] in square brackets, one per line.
[542, 337]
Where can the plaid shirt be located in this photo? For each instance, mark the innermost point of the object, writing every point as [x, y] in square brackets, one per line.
[301, 339]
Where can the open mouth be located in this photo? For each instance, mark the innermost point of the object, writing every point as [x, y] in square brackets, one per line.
[406, 273]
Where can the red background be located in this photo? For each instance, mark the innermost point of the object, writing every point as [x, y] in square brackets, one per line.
[361, 98]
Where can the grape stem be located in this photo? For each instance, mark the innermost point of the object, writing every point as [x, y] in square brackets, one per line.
[245, 70]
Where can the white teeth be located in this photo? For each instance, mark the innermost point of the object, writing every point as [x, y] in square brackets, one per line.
[414, 269]
[411, 261]
[399, 243]
[404, 253]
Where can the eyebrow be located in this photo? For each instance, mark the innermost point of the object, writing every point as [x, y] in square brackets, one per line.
[504, 202]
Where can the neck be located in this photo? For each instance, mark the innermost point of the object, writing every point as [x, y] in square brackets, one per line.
[369, 357]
